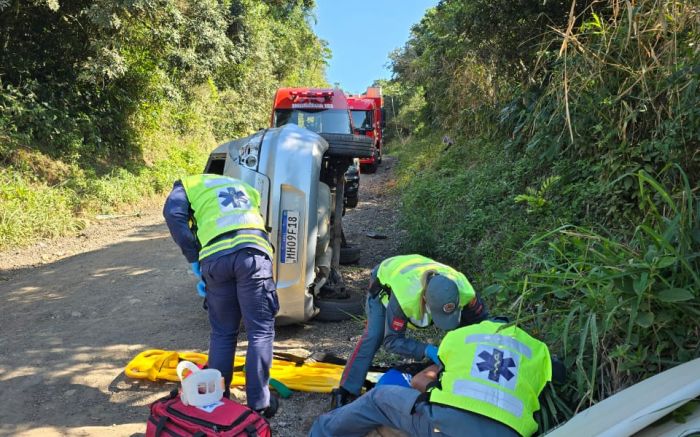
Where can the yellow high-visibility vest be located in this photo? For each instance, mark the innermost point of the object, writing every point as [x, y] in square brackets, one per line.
[404, 275]
[494, 370]
[222, 204]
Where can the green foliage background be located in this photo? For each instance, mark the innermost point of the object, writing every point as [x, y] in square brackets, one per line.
[549, 149]
[570, 193]
[103, 103]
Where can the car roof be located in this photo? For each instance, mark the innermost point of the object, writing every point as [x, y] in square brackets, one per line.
[635, 408]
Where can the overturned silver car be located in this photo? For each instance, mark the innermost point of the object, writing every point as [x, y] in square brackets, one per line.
[300, 177]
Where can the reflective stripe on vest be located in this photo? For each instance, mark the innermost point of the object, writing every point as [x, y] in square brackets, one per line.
[491, 395]
[494, 370]
[404, 275]
[230, 243]
[220, 205]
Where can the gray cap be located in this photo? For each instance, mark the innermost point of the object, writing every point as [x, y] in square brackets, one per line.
[442, 297]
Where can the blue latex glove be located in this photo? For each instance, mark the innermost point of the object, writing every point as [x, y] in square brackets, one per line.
[201, 289]
[395, 377]
[196, 270]
[432, 353]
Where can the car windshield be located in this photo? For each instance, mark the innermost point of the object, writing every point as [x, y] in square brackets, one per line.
[331, 121]
[362, 119]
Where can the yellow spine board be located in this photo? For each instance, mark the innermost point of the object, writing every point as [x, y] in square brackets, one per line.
[159, 365]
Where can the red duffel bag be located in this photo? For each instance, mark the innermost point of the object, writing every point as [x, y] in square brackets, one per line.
[171, 418]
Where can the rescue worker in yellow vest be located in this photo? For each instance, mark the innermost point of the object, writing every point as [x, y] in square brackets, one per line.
[216, 221]
[489, 382]
[408, 289]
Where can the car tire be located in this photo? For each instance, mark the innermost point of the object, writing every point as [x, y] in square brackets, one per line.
[371, 168]
[337, 310]
[351, 202]
[348, 145]
[349, 255]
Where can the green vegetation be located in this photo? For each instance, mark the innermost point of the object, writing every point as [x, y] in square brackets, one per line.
[103, 103]
[549, 149]
[570, 194]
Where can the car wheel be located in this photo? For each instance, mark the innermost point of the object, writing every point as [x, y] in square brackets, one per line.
[351, 202]
[348, 145]
[349, 255]
[371, 168]
[336, 310]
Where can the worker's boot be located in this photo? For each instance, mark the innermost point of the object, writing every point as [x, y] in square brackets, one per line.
[271, 409]
[340, 397]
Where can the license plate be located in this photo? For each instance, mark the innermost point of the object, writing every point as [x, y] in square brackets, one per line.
[290, 236]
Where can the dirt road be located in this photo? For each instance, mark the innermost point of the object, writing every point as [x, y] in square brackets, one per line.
[74, 311]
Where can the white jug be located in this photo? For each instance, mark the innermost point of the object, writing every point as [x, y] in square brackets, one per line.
[200, 387]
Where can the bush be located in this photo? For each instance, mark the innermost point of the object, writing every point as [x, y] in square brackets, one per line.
[29, 210]
[32, 209]
[621, 95]
[617, 310]
[103, 103]
[459, 205]
[572, 185]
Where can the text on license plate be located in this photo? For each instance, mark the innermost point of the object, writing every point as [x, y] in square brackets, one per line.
[290, 236]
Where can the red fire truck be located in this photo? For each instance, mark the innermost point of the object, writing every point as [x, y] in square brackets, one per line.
[318, 110]
[326, 112]
[368, 118]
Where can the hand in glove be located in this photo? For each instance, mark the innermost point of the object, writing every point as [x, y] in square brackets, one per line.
[432, 353]
[201, 289]
[196, 270]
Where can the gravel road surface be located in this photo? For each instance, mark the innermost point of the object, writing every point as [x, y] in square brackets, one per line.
[75, 310]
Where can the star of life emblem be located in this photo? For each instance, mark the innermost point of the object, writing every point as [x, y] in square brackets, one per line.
[230, 198]
[495, 365]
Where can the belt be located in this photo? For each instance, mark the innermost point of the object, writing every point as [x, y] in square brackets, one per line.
[232, 234]
[378, 290]
[234, 239]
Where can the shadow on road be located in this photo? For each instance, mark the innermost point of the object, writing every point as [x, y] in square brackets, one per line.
[69, 328]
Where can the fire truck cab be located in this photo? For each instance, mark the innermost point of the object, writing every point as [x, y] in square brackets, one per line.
[326, 112]
[318, 110]
[368, 118]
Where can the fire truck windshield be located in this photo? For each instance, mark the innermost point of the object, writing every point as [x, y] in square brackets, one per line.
[362, 119]
[332, 121]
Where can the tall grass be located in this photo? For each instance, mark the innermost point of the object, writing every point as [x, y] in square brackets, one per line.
[620, 90]
[617, 310]
[457, 205]
[28, 209]
[579, 201]
[32, 208]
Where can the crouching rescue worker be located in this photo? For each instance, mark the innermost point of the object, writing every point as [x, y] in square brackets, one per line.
[216, 222]
[407, 289]
[488, 384]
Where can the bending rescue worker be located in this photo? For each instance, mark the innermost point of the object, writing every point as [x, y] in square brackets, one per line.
[408, 289]
[229, 250]
[489, 379]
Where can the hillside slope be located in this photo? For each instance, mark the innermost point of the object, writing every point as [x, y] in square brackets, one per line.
[550, 151]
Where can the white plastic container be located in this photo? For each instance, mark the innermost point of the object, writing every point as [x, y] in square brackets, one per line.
[200, 387]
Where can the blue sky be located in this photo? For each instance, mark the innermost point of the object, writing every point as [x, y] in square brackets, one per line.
[361, 33]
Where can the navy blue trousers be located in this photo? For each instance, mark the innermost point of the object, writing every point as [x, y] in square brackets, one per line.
[360, 361]
[398, 407]
[240, 286]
